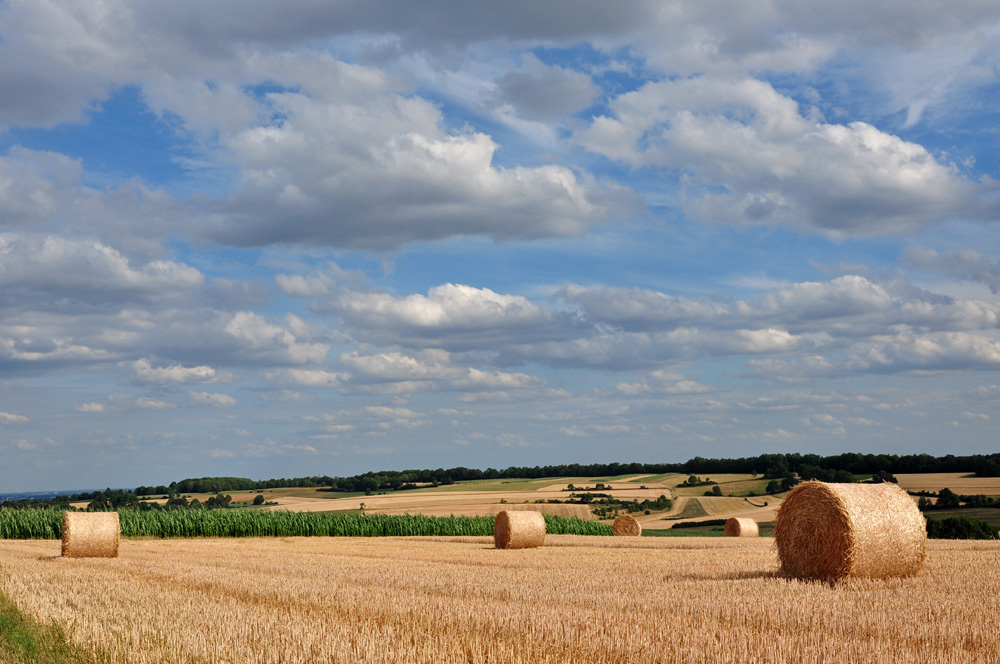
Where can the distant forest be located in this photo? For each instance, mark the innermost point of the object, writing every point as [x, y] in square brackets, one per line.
[777, 466]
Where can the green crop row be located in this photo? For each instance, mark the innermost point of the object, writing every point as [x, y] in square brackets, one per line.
[31, 523]
[47, 524]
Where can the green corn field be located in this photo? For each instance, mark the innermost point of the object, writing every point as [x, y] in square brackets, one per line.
[47, 524]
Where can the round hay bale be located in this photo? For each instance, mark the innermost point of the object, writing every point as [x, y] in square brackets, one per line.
[90, 534]
[830, 531]
[626, 526]
[741, 527]
[519, 530]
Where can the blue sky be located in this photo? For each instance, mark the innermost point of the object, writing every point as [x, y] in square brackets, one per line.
[242, 238]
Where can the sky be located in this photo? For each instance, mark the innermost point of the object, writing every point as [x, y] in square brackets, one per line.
[268, 240]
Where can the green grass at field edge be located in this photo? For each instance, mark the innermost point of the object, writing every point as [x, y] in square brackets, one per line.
[26, 641]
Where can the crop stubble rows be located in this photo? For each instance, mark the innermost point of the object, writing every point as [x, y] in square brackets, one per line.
[578, 599]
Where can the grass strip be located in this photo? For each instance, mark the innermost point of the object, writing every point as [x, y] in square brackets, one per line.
[25, 641]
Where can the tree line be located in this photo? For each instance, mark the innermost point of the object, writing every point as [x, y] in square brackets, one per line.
[783, 468]
[770, 466]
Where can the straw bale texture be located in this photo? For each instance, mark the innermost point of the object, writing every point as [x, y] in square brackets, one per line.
[626, 526]
[519, 530]
[90, 534]
[830, 531]
[741, 527]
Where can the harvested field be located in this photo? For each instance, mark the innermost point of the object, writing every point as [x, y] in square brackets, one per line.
[961, 483]
[433, 504]
[728, 483]
[437, 600]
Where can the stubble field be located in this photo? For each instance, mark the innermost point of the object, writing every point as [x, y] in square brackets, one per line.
[577, 599]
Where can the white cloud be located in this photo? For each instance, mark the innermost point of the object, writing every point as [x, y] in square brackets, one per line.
[364, 168]
[309, 377]
[776, 167]
[12, 418]
[945, 351]
[54, 269]
[216, 400]
[966, 264]
[257, 336]
[299, 286]
[451, 316]
[144, 372]
[395, 366]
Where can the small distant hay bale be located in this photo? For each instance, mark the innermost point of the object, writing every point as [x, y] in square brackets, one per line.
[741, 527]
[90, 534]
[626, 526]
[519, 530]
[831, 531]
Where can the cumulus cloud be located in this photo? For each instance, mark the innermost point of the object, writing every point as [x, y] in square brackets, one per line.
[125, 402]
[776, 166]
[66, 273]
[214, 399]
[946, 351]
[187, 338]
[308, 377]
[427, 370]
[378, 171]
[850, 305]
[45, 193]
[144, 372]
[541, 92]
[12, 418]
[452, 316]
[965, 265]
[259, 337]
[368, 419]
[753, 159]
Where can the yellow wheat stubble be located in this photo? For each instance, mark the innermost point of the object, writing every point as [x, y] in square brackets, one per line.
[578, 599]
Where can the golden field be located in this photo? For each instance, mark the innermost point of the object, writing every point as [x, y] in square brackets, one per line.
[488, 497]
[962, 483]
[577, 599]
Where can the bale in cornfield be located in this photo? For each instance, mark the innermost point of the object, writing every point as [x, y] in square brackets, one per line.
[741, 527]
[519, 530]
[626, 526]
[90, 534]
[830, 531]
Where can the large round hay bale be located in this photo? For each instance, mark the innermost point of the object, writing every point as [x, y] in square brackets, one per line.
[830, 531]
[626, 526]
[741, 527]
[90, 534]
[519, 530]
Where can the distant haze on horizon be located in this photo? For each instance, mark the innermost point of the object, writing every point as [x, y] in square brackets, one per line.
[283, 240]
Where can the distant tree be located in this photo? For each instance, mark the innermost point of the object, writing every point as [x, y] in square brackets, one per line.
[845, 477]
[947, 499]
[258, 499]
[218, 501]
[960, 527]
[884, 476]
[789, 481]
